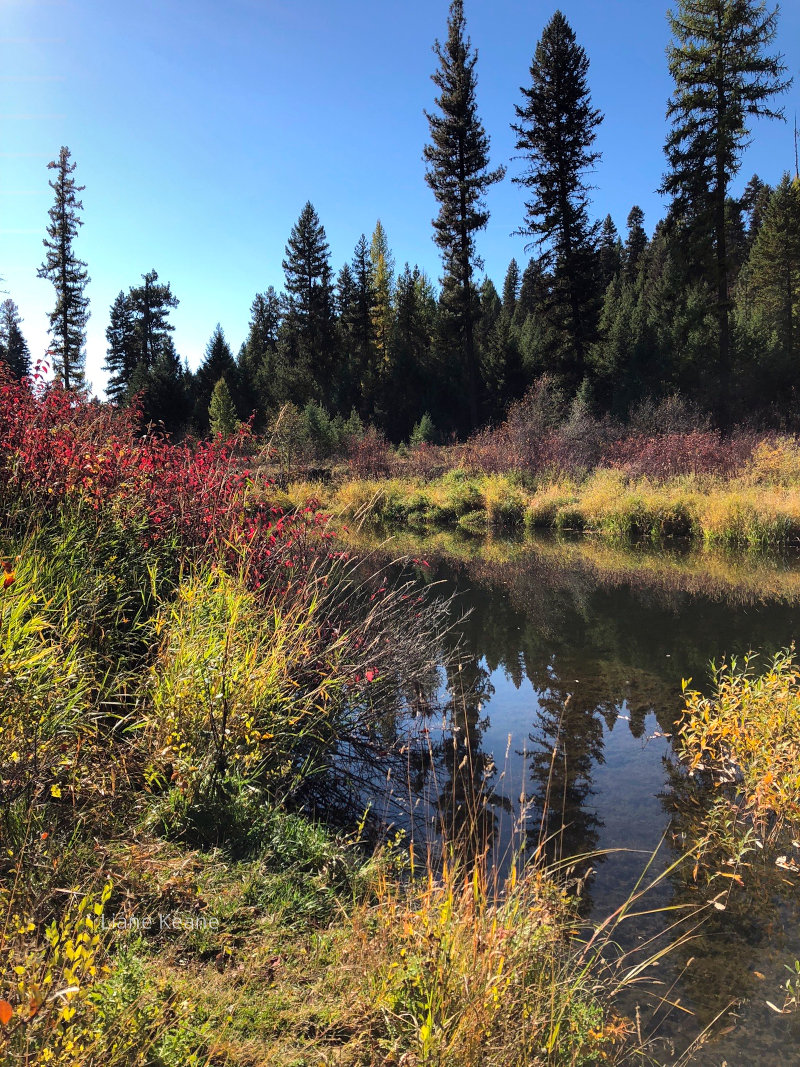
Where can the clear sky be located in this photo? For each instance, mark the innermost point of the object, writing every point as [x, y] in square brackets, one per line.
[201, 128]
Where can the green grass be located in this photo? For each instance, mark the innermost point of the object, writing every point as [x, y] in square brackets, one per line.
[157, 723]
[747, 512]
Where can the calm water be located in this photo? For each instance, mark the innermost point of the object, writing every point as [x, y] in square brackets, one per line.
[572, 659]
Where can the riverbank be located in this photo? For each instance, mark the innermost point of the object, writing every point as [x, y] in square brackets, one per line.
[196, 684]
[759, 509]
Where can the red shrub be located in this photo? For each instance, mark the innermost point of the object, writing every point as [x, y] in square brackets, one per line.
[190, 499]
[369, 455]
[661, 456]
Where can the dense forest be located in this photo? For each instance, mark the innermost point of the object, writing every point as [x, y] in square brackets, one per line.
[707, 306]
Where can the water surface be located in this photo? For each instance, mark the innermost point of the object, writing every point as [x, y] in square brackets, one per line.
[572, 657]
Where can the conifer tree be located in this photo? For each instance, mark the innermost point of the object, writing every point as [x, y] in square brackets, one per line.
[458, 173]
[308, 333]
[609, 252]
[723, 78]
[68, 274]
[363, 350]
[383, 264]
[221, 411]
[555, 131]
[150, 303]
[121, 354]
[532, 292]
[754, 202]
[635, 241]
[413, 384]
[166, 398]
[774, 270]
[346, 305]
[499, 354]
[260, 372]
[13, 346]
[511, 289]
[218, 363]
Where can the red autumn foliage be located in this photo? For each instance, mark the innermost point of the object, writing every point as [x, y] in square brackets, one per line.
[661, 456]
[368, 456]
[193, 499]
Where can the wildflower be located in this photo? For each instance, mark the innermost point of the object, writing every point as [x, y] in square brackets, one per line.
[9, 574]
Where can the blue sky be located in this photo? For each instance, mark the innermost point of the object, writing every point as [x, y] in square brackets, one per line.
[200, 129]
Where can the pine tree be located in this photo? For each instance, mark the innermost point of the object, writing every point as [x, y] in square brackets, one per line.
[167, 397]
[363, 350]
[609, 252]
[413, 384]
[260, 372]
[499, 354]
[218, 363]
[754, 202]
[221, 411]
[150, 303]
[68, 274]
[635, 242]
[511, 289]
[723, 78]
[458, 173]
[555, 133]
[13, 346]
[532, 292]
[308, 333]
[383, 263]
[774, 270]
[121, 354]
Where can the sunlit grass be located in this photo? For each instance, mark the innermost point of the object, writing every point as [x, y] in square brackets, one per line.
[746, 736]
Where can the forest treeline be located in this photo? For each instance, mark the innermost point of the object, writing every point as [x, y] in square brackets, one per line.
[706, 306]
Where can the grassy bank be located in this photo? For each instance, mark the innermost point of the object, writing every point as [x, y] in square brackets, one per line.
[186, 874]
[759, 509]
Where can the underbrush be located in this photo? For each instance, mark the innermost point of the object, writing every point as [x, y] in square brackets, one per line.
[738, 513]
[745, 739]
[188, 674]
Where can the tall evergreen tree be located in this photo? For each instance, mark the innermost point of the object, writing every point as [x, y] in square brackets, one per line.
[383, 263]
[413, 384]
[121, 354]
[458, 173]
[555, 131]
[363, 351]
[13, 346]
[68, 274]
[723, 79]
[774, 272]
[754, 202]
[532, 292]
[166, 397]
[635, 241]
[499, 354]
[609, 252]
[150, 303]
[260, 372]
[511, 289]
[218, 363]
[308, 333]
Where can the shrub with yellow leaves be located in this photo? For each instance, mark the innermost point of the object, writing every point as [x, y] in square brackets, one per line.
[747, 735]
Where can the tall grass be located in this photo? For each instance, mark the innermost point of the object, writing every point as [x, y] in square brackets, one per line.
[735, 513]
